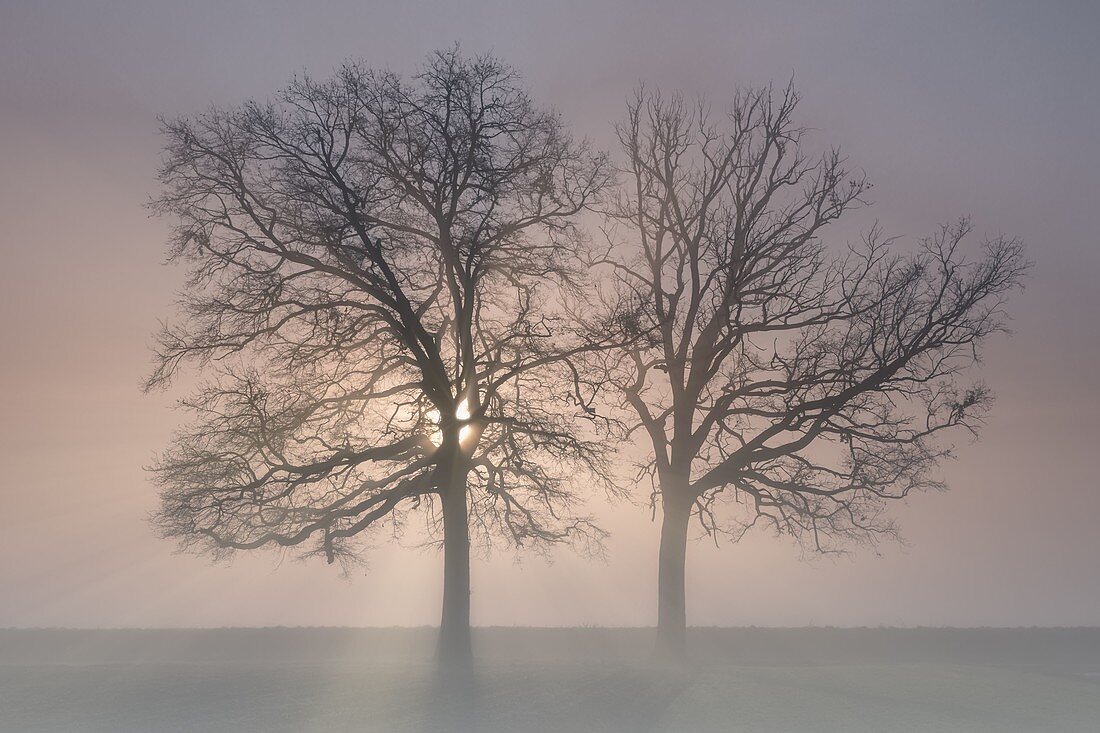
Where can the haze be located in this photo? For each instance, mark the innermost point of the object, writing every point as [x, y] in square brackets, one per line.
[981, 109]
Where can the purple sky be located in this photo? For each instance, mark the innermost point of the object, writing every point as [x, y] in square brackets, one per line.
[987, 109]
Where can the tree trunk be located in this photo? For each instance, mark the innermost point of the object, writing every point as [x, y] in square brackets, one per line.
[455, 650]
[671, 599]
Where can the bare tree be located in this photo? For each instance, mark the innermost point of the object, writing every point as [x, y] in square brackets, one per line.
[809, 385]
[380, 275]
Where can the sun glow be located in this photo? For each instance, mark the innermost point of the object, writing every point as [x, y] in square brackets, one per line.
[461, 413]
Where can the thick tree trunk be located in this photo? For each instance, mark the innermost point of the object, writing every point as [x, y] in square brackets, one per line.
[455, 650]
[671, 598]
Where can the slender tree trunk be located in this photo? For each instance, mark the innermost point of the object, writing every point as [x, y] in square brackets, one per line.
[671, 599]
[455, 650]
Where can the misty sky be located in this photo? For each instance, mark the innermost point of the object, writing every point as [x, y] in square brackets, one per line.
[987, 109]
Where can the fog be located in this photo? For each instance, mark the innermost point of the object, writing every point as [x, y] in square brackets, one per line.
[979, 109]
[782, 680]
[984, 110]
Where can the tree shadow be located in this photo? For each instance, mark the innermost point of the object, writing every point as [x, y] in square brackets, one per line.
[556, 699]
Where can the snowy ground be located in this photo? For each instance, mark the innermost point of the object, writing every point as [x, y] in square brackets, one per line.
[789, 681]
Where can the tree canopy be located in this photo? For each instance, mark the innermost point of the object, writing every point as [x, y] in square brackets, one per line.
[381, 272]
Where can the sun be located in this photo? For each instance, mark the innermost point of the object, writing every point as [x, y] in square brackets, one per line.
[461, 413]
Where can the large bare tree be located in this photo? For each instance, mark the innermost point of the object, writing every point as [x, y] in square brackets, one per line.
[808, 384]
[380, 276]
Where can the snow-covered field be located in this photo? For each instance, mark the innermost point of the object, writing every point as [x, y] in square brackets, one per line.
[822, 680]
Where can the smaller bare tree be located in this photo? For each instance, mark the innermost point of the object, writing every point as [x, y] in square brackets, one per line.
[809, 384]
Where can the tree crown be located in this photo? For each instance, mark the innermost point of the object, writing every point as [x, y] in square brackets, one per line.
[381, 278]
[811, 382]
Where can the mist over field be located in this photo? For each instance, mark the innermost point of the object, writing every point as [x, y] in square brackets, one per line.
[595, 679]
